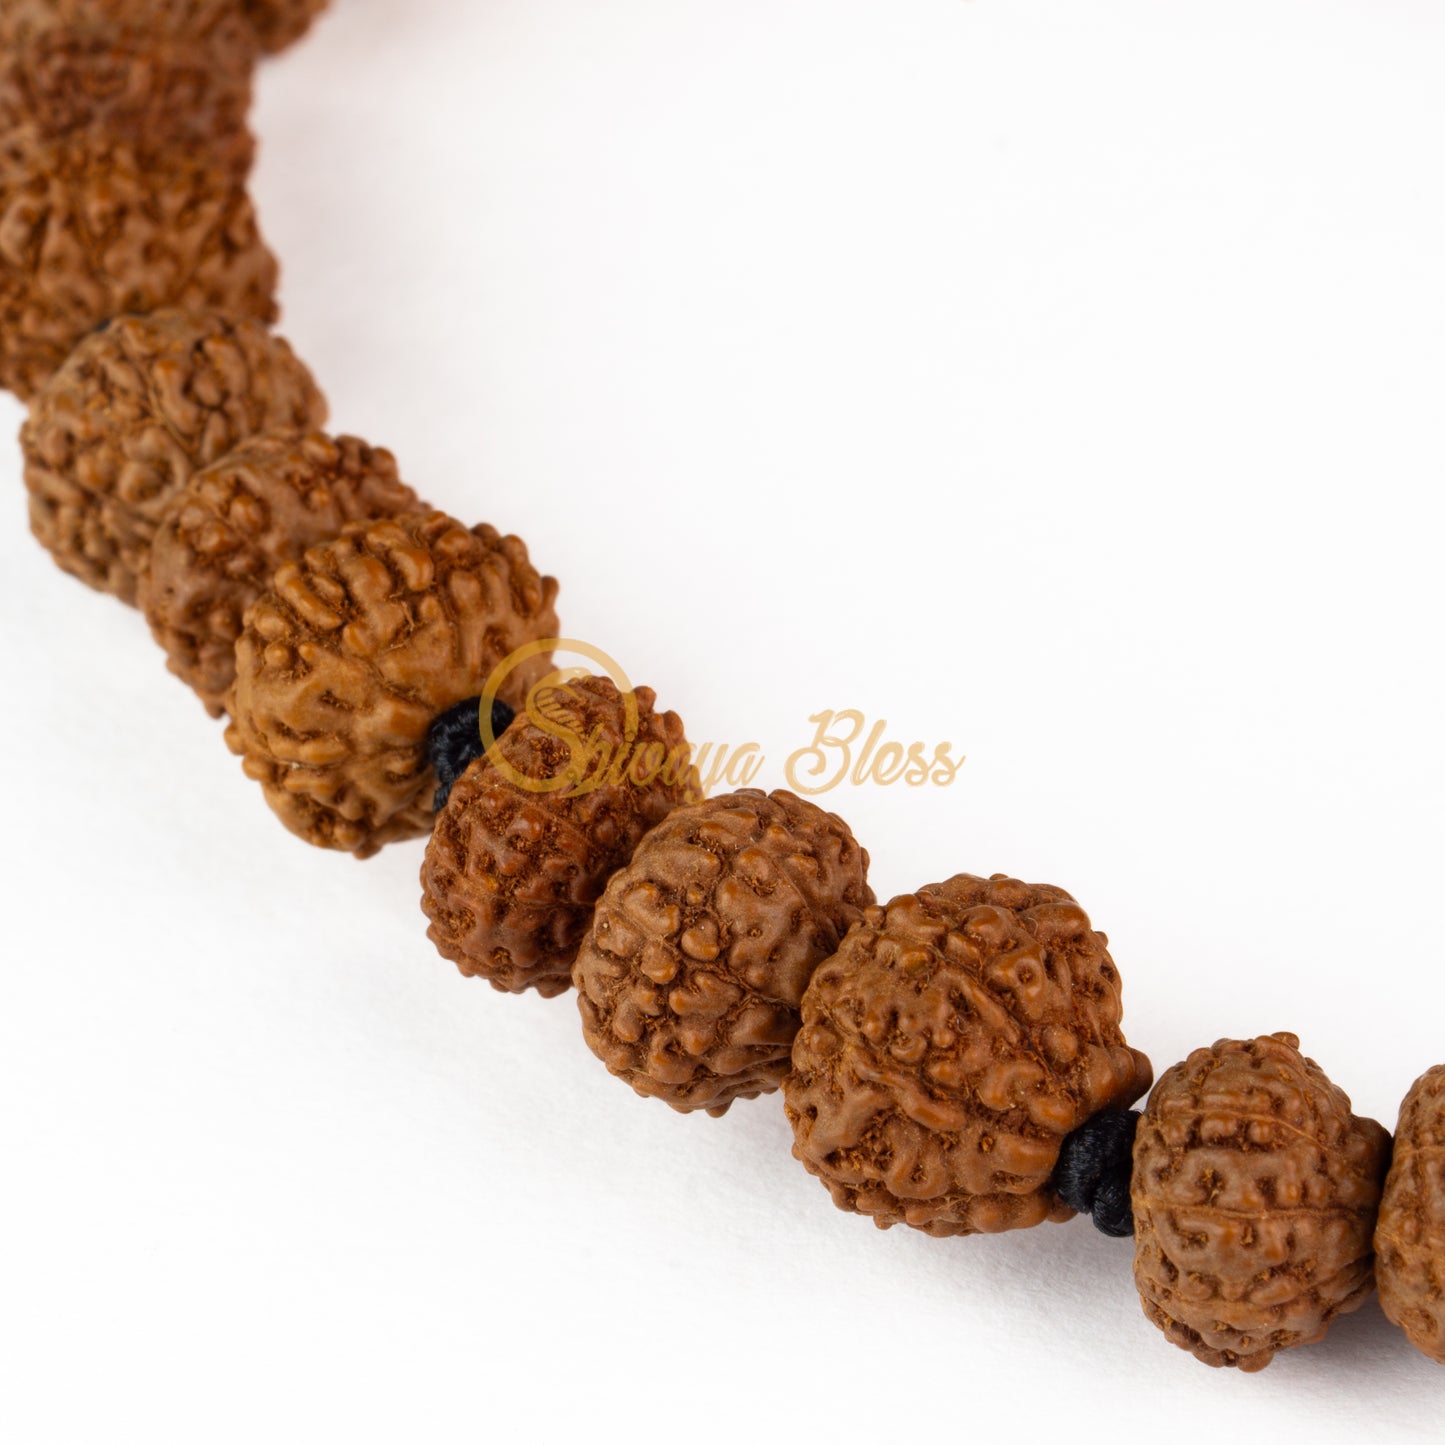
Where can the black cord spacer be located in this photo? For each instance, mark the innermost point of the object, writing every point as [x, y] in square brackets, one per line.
[1095, 1164]
[454, 741]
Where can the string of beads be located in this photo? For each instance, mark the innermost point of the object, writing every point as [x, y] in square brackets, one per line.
[952, 1060]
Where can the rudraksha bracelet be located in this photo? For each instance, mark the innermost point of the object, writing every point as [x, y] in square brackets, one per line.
[952, 1060]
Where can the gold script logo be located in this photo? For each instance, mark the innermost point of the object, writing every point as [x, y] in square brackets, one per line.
[844, 748]
[594, 760]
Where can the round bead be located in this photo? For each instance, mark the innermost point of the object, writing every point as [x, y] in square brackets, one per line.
[154, 89]
[352, 652]
[234, 522]
[953, 1041]
[279, 23]
[135, 410]
[1255, 1192]
[271, 24]
[690, 980]
[515, 864]
[90, 228]
[1410, 1235]
[20, 19]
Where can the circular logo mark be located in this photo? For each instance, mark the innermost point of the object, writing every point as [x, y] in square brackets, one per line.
[552, 705]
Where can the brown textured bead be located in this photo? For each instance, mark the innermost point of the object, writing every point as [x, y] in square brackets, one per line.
[22, 18]
[228, 529]
[91, 228]
[512, 874]
[690, 979]
[133, 412]
[273, 24]
[1410, 1234]
[152, 89]
[1255, 1191]
[279, 23]
[353, 651]
[949, 1046]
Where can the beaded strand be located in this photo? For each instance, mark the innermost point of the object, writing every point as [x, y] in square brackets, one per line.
[952, 1060]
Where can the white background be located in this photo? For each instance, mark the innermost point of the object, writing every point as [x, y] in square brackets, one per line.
[1061, 380]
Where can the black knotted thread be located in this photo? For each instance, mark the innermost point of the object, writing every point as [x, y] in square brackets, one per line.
[454, 741]
[1095, 1165]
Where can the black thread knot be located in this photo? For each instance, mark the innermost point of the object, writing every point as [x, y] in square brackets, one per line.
[1095, 1165]
[454, 741]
